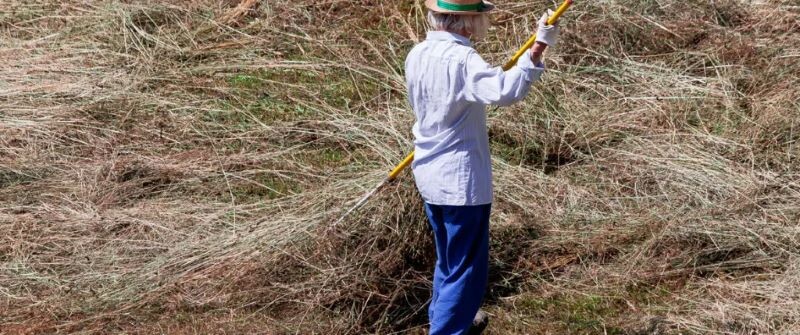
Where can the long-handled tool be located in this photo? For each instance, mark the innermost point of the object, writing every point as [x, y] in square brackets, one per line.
[410, 158]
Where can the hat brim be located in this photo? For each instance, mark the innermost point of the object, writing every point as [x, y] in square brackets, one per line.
[433, 5]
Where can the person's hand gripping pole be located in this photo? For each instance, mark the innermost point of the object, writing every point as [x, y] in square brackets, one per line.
[531, 41]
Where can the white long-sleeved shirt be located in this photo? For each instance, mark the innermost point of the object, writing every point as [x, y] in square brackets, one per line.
[449, 86]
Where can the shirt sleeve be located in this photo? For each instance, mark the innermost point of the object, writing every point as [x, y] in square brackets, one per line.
[492, 86]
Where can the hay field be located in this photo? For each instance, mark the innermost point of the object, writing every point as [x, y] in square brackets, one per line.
[173, 167]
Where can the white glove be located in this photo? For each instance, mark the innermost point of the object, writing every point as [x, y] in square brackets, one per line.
[547, 34]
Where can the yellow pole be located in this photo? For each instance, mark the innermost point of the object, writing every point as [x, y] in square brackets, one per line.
[400, 167]
[553, 19]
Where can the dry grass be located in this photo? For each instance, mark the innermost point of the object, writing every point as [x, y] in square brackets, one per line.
[173, 167]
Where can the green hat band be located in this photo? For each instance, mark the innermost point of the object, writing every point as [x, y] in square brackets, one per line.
[461, 8]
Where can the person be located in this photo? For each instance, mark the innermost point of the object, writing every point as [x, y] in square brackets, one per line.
[449, 86]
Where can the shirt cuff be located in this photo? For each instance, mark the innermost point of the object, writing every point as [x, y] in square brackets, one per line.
[532, 71]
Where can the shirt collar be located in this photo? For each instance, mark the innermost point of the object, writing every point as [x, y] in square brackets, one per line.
[439, 35]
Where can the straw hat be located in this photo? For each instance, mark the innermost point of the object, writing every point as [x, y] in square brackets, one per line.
[461, 7]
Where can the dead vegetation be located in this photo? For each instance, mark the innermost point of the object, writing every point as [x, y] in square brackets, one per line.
[173, 167]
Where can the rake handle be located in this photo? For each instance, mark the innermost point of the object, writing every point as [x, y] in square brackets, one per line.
[400, 167]
[550, 21]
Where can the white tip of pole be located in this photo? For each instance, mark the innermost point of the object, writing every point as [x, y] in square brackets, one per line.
[360, 202]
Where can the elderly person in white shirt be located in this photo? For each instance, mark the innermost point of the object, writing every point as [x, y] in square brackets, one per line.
[449, 86]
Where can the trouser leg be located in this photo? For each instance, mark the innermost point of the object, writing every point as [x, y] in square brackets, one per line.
[440, 238]
[463, 259]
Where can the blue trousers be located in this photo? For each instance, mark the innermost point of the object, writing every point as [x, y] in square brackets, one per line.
[461, 234]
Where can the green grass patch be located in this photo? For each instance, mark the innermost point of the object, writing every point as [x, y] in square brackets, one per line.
[529, 153]
[246, 81]
[594, 313]
[270, 109]
[10, 177]
[265, 110]
[333, 86]
[589, 314]
[228, 118]
[647, 296]
[329, 157]
[264, 186]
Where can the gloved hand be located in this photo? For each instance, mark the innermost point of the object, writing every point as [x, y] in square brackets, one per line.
[547, 34]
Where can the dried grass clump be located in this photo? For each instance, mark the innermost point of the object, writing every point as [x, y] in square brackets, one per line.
[176, 168]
